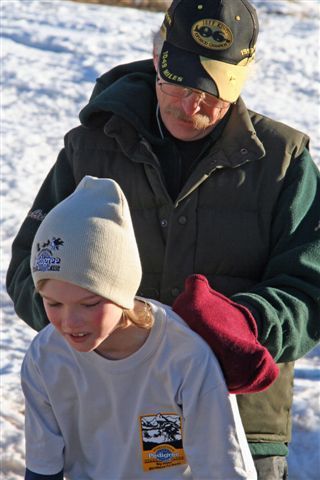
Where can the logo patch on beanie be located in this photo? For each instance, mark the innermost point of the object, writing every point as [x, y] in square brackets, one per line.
[46, 260]
[212, 34]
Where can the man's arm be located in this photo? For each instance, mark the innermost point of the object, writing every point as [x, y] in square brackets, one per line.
[28, 305]
[286, 303]
[285, 306]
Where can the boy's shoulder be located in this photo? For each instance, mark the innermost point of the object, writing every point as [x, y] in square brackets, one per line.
[46, 341]
[179, 333]
[184, 353]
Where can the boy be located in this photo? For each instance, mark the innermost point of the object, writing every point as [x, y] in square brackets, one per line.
[118, 387]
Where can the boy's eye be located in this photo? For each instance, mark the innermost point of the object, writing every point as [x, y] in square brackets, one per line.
[90, 305]
[52, 305]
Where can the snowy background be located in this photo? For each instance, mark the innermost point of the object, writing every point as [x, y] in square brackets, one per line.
[52, 53]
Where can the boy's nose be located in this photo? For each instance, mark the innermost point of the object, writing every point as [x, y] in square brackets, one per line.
[71, 322]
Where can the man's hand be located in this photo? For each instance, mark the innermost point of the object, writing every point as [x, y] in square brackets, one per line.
[230, 330]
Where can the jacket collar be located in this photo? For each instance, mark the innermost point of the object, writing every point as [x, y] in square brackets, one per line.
[239, 142]
[237, 145]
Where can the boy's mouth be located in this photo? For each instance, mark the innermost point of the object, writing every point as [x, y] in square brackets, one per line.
[78, 337]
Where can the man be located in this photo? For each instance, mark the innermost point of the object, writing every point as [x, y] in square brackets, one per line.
[213, 188]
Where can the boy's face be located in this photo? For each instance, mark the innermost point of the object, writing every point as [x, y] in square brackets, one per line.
[83, 318]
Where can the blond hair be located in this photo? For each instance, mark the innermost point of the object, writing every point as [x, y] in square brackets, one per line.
[141, 314]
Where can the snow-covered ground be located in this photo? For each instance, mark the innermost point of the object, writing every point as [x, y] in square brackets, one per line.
[52, 52]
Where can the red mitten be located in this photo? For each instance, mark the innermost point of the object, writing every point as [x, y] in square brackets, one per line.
[230, 330]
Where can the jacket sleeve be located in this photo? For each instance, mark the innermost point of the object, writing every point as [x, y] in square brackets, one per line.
[286, 303]
[37, 476]
[44, 441]
[28, 305]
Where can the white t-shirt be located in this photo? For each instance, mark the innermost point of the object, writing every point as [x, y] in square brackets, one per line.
[162, 413]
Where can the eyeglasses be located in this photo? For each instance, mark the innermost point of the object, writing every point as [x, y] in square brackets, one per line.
[184, 92]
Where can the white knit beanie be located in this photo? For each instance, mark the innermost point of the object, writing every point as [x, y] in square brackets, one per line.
[88, 240]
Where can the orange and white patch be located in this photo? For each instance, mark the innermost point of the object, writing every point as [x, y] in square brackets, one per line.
[161, 441]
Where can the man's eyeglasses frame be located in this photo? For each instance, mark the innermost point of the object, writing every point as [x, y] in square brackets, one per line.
[178, 91]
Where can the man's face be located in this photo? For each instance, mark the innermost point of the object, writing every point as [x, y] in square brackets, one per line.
[188, 118]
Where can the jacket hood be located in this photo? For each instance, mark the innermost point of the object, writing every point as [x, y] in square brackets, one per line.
[128, 91]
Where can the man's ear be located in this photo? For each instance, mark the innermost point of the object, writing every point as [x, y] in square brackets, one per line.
[155, 60]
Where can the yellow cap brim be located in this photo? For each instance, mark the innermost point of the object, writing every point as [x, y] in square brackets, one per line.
[229, 78]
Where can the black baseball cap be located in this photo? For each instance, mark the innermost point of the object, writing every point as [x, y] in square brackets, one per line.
[209, 45]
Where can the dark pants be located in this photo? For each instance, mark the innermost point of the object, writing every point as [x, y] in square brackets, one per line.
[271, 468]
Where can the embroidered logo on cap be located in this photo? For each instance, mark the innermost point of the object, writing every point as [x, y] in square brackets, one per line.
[46, 260]
[161, 440]
[212, 34]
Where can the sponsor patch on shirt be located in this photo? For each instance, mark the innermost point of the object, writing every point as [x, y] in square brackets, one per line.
[161, 441]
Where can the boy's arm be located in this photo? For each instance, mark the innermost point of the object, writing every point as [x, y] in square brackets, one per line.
[28, 305]
[213, 436]
[43, 438]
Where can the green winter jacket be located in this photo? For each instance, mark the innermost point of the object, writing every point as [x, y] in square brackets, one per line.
[247, 218]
